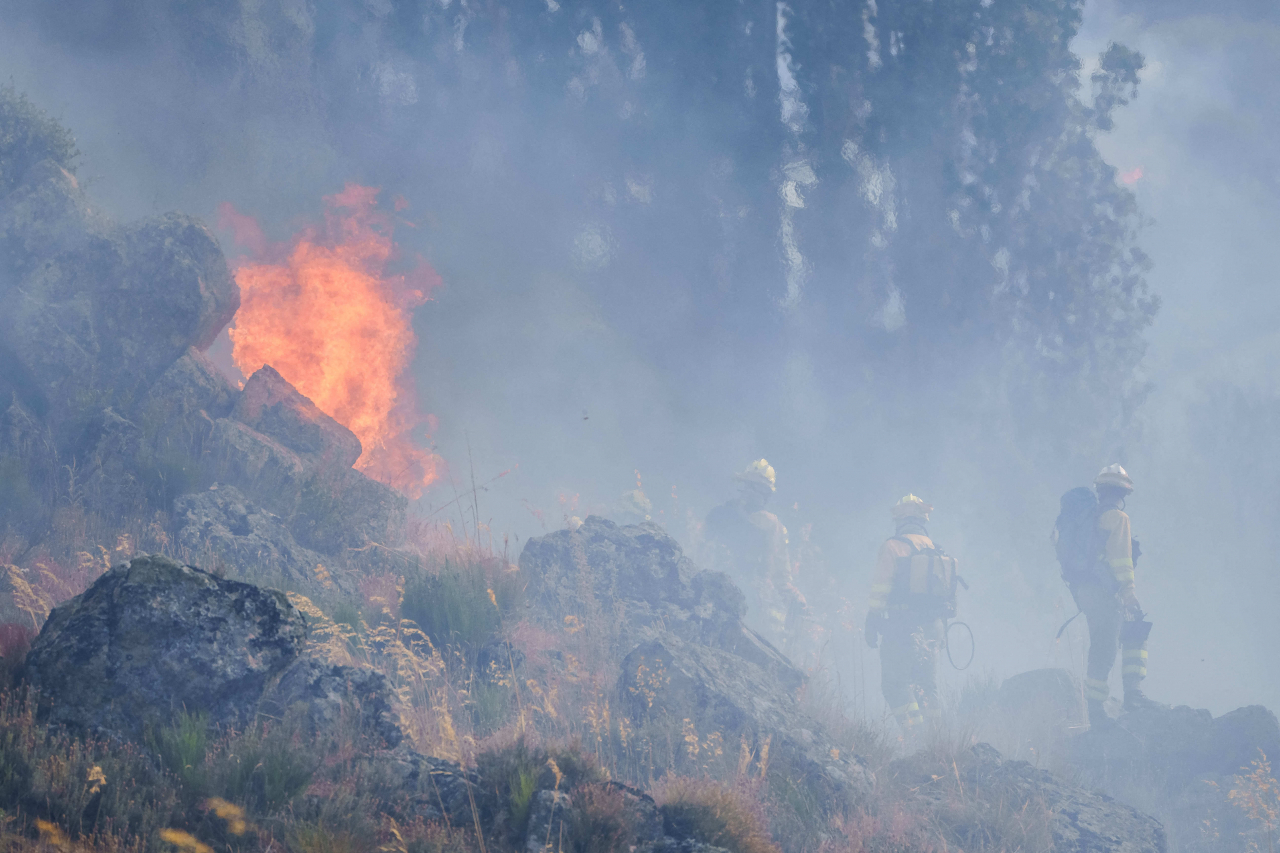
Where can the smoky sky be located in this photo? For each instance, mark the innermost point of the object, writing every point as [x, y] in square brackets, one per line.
[678, 237]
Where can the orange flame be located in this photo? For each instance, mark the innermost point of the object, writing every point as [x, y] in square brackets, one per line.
[330, 318]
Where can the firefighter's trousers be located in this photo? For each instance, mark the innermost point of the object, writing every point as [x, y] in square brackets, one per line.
[909, 648]
[1105, 616]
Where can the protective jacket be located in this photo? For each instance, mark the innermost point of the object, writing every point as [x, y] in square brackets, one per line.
[1102, 606]
[1116, 546]
[911, 636]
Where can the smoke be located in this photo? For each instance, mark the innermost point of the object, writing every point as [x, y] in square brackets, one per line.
[879, 247]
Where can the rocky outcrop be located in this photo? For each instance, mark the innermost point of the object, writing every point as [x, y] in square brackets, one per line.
[685, 651]
[274, 408]
[94, 313]
[181, 406]
[152, 637]
[980, 790]
[220, 526]
[327, 696]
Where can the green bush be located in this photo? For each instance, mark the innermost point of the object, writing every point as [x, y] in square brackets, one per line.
[514, 773]
[27, 136]
[453, 606]
[182, 745]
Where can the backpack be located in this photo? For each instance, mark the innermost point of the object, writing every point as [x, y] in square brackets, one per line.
[1077, 544]
[925, 581]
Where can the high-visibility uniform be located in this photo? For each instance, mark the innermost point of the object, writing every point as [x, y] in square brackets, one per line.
[752, 548]
[910, 642]
[1099, 598]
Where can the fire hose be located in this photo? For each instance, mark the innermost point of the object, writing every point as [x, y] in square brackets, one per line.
[946, 642]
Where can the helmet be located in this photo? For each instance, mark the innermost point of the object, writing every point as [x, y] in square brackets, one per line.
[910, 506]
[1115, 476]
[758, 473]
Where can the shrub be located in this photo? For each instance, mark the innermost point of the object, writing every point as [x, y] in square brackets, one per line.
[601, 821]
[28, 135]
[514, 774]
[714, 813]
[181, 746]
[463, 604]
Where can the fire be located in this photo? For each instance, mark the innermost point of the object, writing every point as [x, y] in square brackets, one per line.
[325, 312]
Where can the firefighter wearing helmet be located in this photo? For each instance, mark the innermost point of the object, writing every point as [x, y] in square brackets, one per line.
[1101, 580]
[912, 594]
[750, 544]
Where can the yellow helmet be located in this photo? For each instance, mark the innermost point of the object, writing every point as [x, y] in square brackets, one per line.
[760, 473]
[910, 506]
[1114, 475]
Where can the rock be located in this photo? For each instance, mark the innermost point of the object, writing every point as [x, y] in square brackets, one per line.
[641, 578]
[329, 696]
[180, 407]
[1180, 764]
[1036, 711]
[986, 789]
[717, 691]
[152, 637]
[686, 654]
[273, 407]
[220, 525]
[549, 822]
[240, 456]
[424, 786]
[28, 471]
[106, 311]
[345, 511]
[646, 819]
[109, 478]
[176, 292]
[45, 215]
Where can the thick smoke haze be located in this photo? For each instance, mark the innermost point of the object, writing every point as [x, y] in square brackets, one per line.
[891, 247]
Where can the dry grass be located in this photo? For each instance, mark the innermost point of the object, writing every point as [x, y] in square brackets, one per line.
[732, 816]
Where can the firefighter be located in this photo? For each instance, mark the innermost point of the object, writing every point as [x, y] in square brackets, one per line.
[1106, 596]
[750, 544]
[912, 593]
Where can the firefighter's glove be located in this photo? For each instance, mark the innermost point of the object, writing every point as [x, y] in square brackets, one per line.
[1129, 604]
[874, 627]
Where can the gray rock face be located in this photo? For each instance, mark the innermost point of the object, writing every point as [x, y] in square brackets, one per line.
[245, 458]
[151, 637]
[329, 696]
[1180, 764]
[180, 407]
[277, 410]
[641, 578]
[549, 821]
[685, 651]
[990, 789]
[93, 314]
[222, 525]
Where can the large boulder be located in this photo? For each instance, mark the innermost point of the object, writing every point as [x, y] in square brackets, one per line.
[687, 657]
[327, 696]
[273, 407]
[95, 325]
[180, 407]
[241, 456]
[152, 637]
[220, 526]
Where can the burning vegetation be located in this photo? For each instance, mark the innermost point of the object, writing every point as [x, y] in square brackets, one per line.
[327, 311]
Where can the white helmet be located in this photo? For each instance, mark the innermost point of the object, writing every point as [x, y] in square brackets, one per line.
[1115, 476]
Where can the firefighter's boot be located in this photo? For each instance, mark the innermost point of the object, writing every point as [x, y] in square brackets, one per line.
[1098, 718]
[1135, 699]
